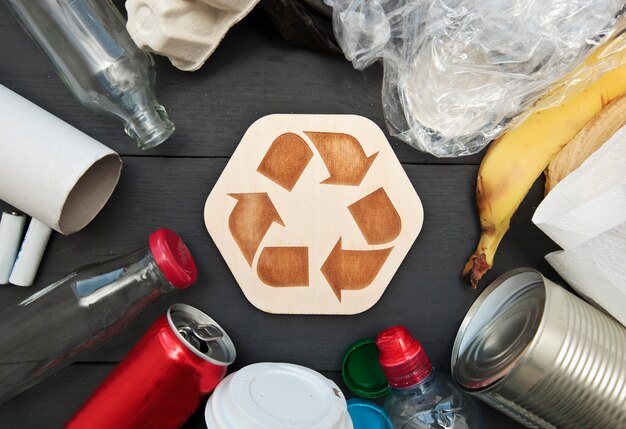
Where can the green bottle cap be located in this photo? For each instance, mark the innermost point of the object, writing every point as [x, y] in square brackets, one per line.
[361, 371]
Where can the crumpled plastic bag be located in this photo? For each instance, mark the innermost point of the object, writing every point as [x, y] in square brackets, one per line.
[456, 72]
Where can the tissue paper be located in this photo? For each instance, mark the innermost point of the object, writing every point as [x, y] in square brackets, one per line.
[600, 279]
[585, 214]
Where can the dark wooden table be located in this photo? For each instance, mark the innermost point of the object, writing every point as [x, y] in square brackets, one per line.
[253, 73]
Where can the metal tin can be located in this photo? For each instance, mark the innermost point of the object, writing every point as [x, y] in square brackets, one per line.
[164, 378]
[543, 356]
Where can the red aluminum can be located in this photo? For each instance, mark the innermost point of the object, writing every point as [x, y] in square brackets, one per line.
[164, 378]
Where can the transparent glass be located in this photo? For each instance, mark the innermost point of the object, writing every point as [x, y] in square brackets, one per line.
[88, 44]
[435, 403]
[54, 327]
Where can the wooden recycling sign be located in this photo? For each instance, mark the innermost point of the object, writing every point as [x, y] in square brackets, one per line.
[313, 214]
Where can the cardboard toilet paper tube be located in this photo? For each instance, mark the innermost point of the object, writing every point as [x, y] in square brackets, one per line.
[49, 169]
[11, 229]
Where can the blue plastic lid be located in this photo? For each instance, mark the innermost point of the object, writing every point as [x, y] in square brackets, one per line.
[367, 415]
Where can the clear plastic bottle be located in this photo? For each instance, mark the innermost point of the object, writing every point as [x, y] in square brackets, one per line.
[94, 55]
[421, 398]
[55, 326]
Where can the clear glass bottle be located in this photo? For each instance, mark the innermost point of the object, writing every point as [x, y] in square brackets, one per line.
[419, 397]
[55, 326]
[94, 55]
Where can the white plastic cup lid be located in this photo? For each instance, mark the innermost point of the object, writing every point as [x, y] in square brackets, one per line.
[277, 396]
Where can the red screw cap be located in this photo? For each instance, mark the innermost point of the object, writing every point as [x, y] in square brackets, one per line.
[402, 357]
[173, 258]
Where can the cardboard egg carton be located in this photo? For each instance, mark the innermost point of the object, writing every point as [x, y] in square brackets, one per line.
[185, 31]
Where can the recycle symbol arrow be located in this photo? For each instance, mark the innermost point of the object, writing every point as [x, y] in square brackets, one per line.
[374, 214]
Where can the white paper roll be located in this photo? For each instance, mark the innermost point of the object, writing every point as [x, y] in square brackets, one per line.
[11, 230]
[31, 253]
[49, 169]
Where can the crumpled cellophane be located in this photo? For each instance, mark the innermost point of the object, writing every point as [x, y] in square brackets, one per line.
[457, 72]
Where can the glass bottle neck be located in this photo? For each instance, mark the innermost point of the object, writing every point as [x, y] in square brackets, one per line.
[149, 126]
[131, 276]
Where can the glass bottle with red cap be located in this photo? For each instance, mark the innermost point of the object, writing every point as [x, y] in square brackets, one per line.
[419, 397]
[55, 326]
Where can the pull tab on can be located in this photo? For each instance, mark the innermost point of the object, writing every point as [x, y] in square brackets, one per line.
[200, 335]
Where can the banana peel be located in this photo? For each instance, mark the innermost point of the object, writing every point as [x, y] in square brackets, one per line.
[514, 161]
[587, 141]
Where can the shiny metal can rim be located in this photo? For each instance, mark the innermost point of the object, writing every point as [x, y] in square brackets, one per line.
[201, 317]
[522, 357]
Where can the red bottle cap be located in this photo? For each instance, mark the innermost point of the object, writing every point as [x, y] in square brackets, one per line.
[402, 357]
[173, 258]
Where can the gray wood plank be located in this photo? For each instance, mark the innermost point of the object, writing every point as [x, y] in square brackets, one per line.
[53, 402]
[252, 74]
[427, 293]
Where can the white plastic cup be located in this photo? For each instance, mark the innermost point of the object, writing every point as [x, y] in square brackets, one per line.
[274, 396]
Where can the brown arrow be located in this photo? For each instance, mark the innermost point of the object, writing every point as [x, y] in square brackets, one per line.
[250, 220]
[352, 269]
[286, 160]
[284, 266]
[344, 157]
[377, 217]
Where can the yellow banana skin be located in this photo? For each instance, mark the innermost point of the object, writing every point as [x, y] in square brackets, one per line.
[593, 135]
[517, 159]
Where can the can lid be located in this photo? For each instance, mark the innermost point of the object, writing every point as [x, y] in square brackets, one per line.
[497, 338]
[368, 415]
[173, 258]
[402, 357]
[361, 370]
[201, 334]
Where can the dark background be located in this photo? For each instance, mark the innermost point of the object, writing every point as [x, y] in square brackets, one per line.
[253, 73]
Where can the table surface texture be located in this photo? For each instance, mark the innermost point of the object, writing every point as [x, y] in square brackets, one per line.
[253, 73]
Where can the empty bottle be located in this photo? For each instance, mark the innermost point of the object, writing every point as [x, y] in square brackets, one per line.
[55, 326]
[94, 55]
[419, 397]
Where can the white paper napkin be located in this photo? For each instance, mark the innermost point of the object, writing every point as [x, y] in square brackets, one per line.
[585, 214]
